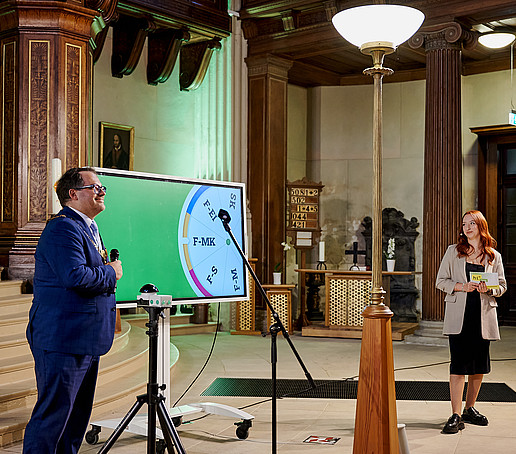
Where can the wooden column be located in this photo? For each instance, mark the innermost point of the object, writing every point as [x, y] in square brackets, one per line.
[267, 162]
[45, 113]
[443, 153]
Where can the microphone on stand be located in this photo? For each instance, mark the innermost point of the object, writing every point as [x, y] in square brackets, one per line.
[225, 218]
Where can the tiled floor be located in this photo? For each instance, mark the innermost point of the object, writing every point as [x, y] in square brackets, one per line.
[246, 356]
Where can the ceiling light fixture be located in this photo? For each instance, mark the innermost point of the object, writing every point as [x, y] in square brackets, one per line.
[496, 40]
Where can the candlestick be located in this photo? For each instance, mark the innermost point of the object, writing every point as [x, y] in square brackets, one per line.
[321, 251]
[55, 171]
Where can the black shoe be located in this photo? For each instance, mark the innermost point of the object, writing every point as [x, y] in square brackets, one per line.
[453, 425]
[472, 416]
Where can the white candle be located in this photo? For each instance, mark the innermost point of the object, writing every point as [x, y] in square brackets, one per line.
[321, 251]
[55, 170]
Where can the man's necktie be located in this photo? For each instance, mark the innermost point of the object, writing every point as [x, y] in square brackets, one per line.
[95, 231]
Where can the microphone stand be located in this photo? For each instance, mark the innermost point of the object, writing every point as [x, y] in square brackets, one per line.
[274, 329]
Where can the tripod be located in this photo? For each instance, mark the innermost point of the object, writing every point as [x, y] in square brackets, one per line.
[153, 398]
[274, 329]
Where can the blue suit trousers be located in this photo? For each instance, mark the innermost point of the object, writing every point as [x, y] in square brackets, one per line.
[66, 388]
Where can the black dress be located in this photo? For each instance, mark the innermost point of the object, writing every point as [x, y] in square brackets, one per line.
[469, 352]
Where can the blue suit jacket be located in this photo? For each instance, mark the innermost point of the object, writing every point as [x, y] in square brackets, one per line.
[73, 310]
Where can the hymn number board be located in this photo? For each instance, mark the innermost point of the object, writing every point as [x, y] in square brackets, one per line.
[303, 211]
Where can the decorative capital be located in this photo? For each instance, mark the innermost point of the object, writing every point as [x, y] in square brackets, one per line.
[450, 35]
[330, 7]
[269, 64]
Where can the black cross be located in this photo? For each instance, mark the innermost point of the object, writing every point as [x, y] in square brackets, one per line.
[355, 253]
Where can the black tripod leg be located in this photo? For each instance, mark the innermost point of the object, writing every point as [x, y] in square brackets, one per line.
[140, 400]
[169, 431]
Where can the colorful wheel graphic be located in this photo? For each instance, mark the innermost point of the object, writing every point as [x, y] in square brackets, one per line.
[211, 262]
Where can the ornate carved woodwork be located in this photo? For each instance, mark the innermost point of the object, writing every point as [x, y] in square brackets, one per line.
[169, 25]
[39, 54]
[443, 153]
[8, 128]
[98, 42]
[100, 25]
[209, 18]
[129, 35]
[46, 75]
[194, 61]
[107, 8]
[46, 65]
[163, 48]
[403, 291]
[302, 31]
[267, 157]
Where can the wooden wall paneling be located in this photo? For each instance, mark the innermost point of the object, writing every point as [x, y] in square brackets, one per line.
[38, 108]
[489, 139]
[267, 158]
[46, 67]
[8, 128]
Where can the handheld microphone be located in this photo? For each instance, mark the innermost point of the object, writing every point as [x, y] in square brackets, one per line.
[114, 255]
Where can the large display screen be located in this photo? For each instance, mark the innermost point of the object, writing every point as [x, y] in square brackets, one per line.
[168, 233]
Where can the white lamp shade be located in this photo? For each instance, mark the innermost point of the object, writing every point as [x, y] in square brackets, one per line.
[391, 24]
[496, 40]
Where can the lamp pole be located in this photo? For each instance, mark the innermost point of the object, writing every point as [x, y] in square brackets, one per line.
[377, 30]
[377, 72]
[376, 424]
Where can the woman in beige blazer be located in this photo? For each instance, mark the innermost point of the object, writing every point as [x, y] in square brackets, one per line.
[470, 319]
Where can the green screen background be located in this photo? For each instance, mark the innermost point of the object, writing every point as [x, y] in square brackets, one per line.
[141, 221]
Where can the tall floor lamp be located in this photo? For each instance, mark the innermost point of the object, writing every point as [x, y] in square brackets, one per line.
[377, 30]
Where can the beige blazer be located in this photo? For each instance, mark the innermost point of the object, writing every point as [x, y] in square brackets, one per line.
[453, 270]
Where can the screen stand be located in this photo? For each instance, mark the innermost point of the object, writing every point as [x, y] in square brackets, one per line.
[153, 398]
[274, 329]
[138, 425]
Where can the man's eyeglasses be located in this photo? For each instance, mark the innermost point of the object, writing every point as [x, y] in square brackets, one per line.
[97, 188]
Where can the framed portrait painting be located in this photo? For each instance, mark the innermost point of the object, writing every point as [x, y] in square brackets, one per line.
[116, 146]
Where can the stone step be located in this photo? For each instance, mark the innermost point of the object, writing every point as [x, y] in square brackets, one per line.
[14, 324]
[12, 426]
[191, 328]
[141, 318]
[12, 345]
[123, 375]
[127, 355]
[125, 361]
[11, 288]
[16, 369]
[178, 329]
[122, 392]
[20, 394]
[15, 305]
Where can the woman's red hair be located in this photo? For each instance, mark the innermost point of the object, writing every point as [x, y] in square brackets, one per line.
[488, 243]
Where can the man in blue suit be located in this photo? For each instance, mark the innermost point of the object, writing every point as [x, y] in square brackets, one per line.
[72, 317]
